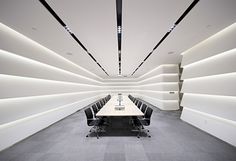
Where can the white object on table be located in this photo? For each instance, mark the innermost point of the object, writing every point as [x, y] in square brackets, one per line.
[130, 109]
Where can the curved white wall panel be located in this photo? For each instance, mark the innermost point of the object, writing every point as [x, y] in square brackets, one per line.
[15, 86]
[38, 87]
[166, 68]
[13, 132]
[216, 44]
[15, 42]
[209, 77]
[221, 106]
[12, 64]
[160, 87]
[215, 85]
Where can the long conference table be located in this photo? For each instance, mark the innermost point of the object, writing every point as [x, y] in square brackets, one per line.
[130, 109]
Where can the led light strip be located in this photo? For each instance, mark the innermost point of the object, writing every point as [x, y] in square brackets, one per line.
[159, 100]
[211, 76]
[53, 13]
[10, 124]
[49, 95]
[168, 32]
[4, 76]
[158, 67]
[28, 60]
[119, 30]
[210, 95]
[211, 58]
[211, 116]
[157, 76]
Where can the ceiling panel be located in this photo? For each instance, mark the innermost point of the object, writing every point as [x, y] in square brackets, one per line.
[144, 24]
[204, 20]
[94, 23]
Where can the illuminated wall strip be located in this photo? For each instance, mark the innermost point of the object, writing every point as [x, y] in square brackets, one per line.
[13, 123]
[160, 83]
[212, 58]
[4, 76]
[24, 59]
[159, 100]
[159, 67]
[49, 95]
[8, 29]
[211, 116]
[210, 95]
[211, 77]
[160, 92]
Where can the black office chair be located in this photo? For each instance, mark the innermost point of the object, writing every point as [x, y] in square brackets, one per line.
[102, 102]
[136, 102]
[145, 121]
[98, 104]
[95, 109]
[143, 108]
[139, 104]
[91, 121]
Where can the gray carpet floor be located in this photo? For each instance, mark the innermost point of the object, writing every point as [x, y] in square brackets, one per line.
[172, 140]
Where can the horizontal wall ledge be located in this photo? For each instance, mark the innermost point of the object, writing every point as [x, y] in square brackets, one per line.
[220, 64]
[214, 85]
[23, 87]
[12, 64]
[218, 43]
[161, 104]
[17, 108]
[221, 106]
[9, 132]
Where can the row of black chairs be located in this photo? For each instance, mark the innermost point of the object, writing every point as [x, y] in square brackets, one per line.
[92, 120]
[145, 120]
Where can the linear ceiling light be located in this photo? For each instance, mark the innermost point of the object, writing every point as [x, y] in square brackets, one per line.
[168, 32]
[119, 30]
[53, 13]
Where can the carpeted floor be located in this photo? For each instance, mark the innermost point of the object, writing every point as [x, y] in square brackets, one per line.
[172, 140]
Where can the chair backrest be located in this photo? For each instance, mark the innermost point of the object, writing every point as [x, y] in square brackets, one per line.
[139, 104]
[95, 109]
[98, 105]
[148, 115]
[134, 100]
[102, 102]
[143, 108]
[136, 103]
[89, 115]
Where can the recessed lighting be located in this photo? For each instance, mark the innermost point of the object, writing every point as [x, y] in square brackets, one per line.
[68, 53]
[171, 52]
[34, 28]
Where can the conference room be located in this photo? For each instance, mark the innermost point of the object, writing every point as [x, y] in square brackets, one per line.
[117, 80]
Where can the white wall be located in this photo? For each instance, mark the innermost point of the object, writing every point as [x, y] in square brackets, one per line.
[38, 87]
[160, 87]
[209, 88]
